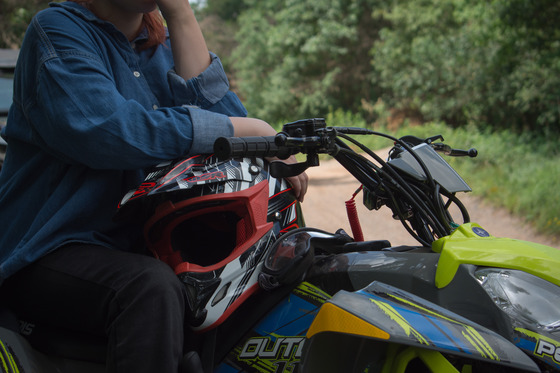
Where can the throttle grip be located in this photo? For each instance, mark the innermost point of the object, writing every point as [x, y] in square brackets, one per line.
[254, 146]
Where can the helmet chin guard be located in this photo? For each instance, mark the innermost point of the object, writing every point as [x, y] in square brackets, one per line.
[210, 241]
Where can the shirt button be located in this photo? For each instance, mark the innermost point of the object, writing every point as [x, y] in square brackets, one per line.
[155, 107]
[137, 74]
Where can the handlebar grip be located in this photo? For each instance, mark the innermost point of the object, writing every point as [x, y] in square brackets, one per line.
[255, 146]
[463, 153]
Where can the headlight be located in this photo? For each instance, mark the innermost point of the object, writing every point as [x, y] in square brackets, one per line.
[290, 257]
[523, 296]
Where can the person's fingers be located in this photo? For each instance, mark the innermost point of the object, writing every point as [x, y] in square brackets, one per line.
[296, 186]
[305, 185]
[303, 181]
[299, 185]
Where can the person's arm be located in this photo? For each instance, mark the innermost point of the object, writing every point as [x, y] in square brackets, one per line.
[190, 53]
[251, 127]
[191, 58]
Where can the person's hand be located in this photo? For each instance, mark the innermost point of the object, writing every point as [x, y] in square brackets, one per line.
[256, 127]
[171, 9]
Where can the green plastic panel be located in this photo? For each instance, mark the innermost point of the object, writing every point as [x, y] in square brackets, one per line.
[471, 244]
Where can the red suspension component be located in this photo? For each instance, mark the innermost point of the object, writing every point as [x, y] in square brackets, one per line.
[353, 217]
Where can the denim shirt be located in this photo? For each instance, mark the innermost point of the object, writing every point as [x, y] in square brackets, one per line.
[89, 113]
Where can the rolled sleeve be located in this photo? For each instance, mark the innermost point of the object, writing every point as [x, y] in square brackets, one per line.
[207, 127]
[203, 90]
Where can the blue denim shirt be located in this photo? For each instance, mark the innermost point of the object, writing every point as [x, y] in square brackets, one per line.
[89, 113]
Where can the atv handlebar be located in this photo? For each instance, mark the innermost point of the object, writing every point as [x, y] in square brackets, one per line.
[406, 185]
[312, 136]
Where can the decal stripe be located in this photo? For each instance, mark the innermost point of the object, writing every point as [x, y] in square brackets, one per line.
[281, 192]
[311, 291]
[293, 321]
[287, 207]
[424, 309]
[545, 348]
[293, 226]
[447, 333]
[250, 268]
[477, 338]
[3, 361]
[301, 309]
[173, 170]
[9, 365]
[537, 336]
[14, 365]
[4, 356]
[400, 320]
[473, 336]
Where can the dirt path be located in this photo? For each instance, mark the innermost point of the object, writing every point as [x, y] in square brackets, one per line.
[330, 186]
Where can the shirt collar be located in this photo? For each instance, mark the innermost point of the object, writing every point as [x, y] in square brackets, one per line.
[78, 10]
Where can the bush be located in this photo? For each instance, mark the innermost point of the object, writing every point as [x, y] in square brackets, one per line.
[299, 58]
[488, 62]
[14, 19]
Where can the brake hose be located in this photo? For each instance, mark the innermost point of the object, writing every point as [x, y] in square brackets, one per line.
[353, 218]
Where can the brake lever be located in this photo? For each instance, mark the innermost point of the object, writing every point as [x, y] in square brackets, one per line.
[280, 169]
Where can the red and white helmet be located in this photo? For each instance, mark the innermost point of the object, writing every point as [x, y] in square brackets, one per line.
[213, 222]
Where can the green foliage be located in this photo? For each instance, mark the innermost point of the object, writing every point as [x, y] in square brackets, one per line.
[422, 60]
[462, 61]
[490, 62]
[299, 58]
[14, 19]
[227, 10]
[520, 172]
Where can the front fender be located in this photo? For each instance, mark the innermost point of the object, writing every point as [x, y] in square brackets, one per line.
[383, 328]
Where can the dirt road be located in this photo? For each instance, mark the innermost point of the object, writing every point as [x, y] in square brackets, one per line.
[330, 186]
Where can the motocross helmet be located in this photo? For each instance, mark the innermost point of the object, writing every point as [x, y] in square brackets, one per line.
[214, 222]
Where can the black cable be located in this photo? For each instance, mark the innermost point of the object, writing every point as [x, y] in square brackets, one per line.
[464, 212]
[429, 177]
[430, 217]
[351, 161]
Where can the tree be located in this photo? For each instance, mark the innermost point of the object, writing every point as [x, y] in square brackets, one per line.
[300, 58]
[14, 19]
[455, 60]
[227, 10]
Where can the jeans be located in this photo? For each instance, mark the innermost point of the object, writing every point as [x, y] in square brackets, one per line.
[135, 300]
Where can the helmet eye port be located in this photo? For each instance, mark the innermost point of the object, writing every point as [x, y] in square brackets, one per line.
[207, 239]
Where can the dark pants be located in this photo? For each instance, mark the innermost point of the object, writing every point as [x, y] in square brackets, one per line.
[135, 300]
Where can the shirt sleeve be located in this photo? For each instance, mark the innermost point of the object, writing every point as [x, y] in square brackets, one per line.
[203, 90]
[209, 90]
[86, 119]
[206, 126]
